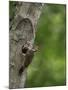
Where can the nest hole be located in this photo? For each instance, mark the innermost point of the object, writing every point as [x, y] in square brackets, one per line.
[21, 70]
[24, 50]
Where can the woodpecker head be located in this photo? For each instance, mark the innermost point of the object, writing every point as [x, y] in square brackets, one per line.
[28, 47]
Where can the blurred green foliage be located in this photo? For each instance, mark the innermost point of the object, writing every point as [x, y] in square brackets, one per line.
[12, 9]
[48, 67]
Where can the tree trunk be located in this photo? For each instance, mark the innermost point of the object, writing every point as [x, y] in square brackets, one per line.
[22, 30]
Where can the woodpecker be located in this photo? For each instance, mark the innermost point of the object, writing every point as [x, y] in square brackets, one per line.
[28, 52]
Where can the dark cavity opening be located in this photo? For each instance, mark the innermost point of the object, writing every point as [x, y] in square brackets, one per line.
[24, 50]
[21, 70]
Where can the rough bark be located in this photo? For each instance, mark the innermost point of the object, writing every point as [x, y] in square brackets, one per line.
[22, 30]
